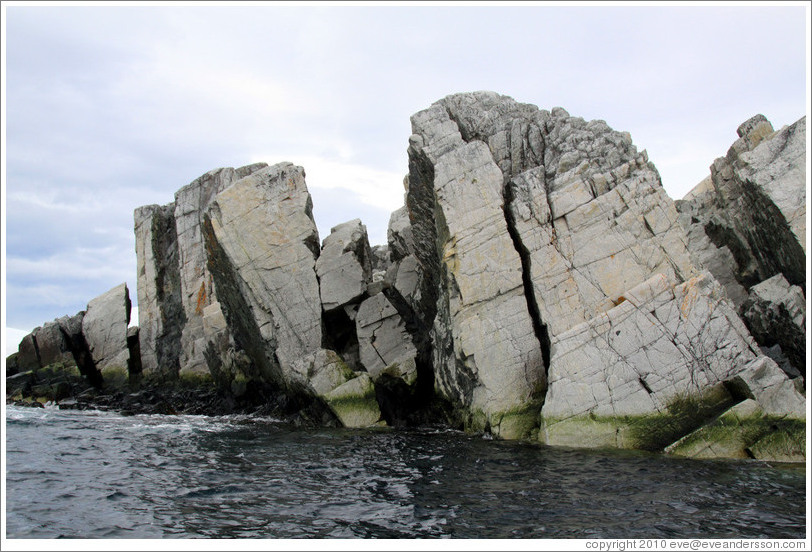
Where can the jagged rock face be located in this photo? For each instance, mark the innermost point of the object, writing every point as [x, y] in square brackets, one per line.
[591, 260]
[344, 267]
[755, 208]
[105, 329]
[262, 245]
[775, 314]
[746, 224]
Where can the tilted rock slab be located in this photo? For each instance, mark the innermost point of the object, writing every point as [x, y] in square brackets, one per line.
[344, 266]
[105, 329]
[262, 245]
[196, 283]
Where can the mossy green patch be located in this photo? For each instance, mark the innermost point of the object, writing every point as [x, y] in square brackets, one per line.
[354, 402]
[116, 377]
[652, 432]
[195, 380]
[520, 423]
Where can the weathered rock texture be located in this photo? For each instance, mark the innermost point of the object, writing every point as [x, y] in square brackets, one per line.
[746, 224]
[627, 329]
[105, 329]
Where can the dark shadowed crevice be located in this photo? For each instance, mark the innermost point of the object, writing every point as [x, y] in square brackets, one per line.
[167, 291]
[539, 328]
[81, 355]
[340, 335]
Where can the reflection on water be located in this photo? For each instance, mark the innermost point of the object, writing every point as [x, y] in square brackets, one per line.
[102, 475]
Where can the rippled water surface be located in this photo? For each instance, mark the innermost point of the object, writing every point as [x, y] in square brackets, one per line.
[102, 475]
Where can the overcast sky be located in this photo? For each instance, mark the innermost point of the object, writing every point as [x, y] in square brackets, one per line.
[111, 107]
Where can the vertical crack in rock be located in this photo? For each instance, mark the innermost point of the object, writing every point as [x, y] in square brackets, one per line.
[539, 328]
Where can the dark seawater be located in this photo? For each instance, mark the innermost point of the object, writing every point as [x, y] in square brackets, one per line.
[103, 475]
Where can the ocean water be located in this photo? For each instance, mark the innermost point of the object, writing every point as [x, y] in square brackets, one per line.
[88, 474]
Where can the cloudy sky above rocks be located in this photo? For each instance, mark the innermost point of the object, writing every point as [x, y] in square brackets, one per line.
[109, 107]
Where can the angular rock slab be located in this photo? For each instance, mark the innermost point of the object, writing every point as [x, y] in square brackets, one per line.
[197, 290]
[344, 267]
[384, 342]
[161, 317]
[262, 245]
[350, 395]
[105, 328]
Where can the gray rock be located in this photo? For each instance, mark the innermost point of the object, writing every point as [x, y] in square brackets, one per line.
[161, 317]
[197, 286]
[380, 259]
[385, 344]
[262, 246]
[487, 358]
[174, 283]
[751, 221]
[350, 395]
[105, 329]
[344, 267]
[763, 381]
[775, 314]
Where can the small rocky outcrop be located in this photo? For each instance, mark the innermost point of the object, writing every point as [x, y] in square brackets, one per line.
[93, 349]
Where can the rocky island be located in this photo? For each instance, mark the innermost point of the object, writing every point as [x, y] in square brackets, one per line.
[538, 283]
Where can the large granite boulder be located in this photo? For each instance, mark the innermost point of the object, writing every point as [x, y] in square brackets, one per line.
[262, 245]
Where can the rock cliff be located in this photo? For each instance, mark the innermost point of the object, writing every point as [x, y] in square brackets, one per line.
[538, 283]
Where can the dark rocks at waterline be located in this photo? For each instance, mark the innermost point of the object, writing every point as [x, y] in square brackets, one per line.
[537, 284]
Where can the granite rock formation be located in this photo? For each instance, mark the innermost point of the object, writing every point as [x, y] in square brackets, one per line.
[537, 283]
